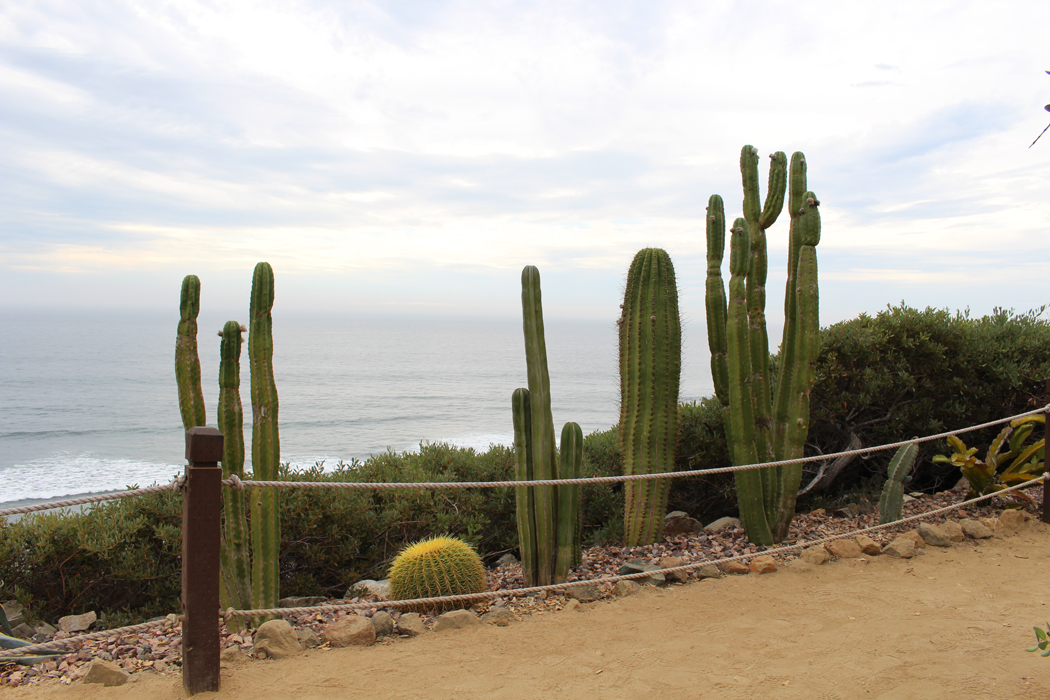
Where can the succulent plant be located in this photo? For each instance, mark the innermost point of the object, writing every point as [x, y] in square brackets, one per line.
[892, 499]
[187, 362]
[435, 567]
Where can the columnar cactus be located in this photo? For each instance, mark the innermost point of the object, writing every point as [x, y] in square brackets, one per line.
[187, 363]
[759, 426]
[892, 500]
[548, 516]
[650, 370]
[266, 444]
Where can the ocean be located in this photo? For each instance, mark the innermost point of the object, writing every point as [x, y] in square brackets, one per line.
[88, 401]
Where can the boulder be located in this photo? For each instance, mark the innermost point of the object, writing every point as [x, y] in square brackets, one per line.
[233, 655]
[954, 531]
[975, 529]
[507, 559]
[815, 555]
[105, 673]
[709, 571]
[13, 611]
[934, 536]
[380, 589]
[868, 546]
[844, 549]
[455, 620]
[736, 567]
[670, 563]
[902, 547]
[383, 623]
[302, 602]
[307, 638]
[276, 639]
[722, 524]
[411, 624]
[352, 630]
[1011, 521]
[625, 588]
[585, 593]
[77, 623]
[500, 617]
[764, 564]
[679, 523]
[915, 537]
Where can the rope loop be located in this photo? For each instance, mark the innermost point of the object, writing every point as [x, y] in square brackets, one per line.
[234, 482]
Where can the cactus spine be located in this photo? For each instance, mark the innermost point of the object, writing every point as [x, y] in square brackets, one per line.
[187, 363]
[892, 499]
[548, 516]
[759, 426]
[436, 567]
[650, 369]
[266, 445]
[236, 565]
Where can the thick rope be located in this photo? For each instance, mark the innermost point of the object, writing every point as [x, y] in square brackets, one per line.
[174, 485]
[169, 621]
[231, 613]
[242, 484]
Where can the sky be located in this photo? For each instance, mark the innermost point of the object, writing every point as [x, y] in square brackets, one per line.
[406, 158]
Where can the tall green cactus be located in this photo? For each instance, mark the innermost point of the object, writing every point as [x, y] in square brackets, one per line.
[187, 362]
[548, 516]
[235, 560]
[760, 426]
[266, 444]
[650, 370]
[892, 499]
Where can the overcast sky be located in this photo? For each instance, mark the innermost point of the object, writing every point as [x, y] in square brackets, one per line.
[412, 157]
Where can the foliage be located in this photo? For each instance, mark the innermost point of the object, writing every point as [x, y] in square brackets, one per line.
[992, 474]
[1042, 643]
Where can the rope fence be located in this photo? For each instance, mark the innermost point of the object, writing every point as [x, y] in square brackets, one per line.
[175, 485]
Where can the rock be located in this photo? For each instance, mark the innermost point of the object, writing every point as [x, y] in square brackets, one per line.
[23, 631]
[77, 623]
[411, 624]
[954, 531]
[736, 567]
[764, 564]
[868, 546]
[916, 494]
[105, 673]
[383, 623]
[507, 559]
[625, 588]
[815, 555]
[991, 523]
[905, 498]
[352, 630]
[915, 537]
[585, 593]
[934, 536]
[303, 602]
[501, 617]
[844, 549]
[233, 655]
[572, 605]
[275, 639]
[975, 529]
[380, 589]
[709, 571]
[670, 563]
[722, 524]
[638, 566]
[847, 511]
[456, 619]
[864, 507]
[679, 523]
[13, 611]
[902, 547]
[1012, 521]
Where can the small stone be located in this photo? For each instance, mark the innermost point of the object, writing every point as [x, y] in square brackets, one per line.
[585, 593]
[815, 555]
[764, 564]
[232, 655]
[44, 629]
[1012, 521]
[383, 623]
[844, 549]
[868, 546]
[276, 640]
[352, 630]
[975, 529]
[380, 589]
[709, 571]
[954, 531]
[572, 605]
[934, 536]
[991, 523]
[77, 623]
[456, 619]
[847, 511]
[500, 617]
[411, 624]
[22, 630]
[301, 602]
[722, 524]
[507, 559]
[625, 588]
[915, 537]
[670, 563]
[679, 523]
[902, 547]
[864, 507]
[736, 567]
[105, 674]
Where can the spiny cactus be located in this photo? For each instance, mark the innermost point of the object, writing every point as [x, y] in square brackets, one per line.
[548, 517]
[435, 567]
[761, 427]
[266, 444]
[892, 499]
[187, 362]
[650, 370]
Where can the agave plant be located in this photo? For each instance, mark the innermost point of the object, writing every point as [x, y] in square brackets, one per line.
[999, 469]
[9, 641]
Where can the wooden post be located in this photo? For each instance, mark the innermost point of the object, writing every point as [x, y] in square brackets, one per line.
[201, 506]
[1046, 472]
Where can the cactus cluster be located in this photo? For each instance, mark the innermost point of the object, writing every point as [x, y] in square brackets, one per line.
[436, 567]
[761, 427]
[650, 369]
[892, 499]
[548, 516]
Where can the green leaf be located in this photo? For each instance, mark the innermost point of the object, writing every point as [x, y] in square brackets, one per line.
[1040, 634]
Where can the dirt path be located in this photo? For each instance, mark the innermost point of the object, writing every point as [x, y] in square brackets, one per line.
[950, 624]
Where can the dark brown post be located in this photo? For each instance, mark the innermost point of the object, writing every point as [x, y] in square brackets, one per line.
[201, 506]
[1046, 452]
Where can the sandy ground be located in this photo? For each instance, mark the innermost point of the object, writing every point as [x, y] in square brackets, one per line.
[952, 623]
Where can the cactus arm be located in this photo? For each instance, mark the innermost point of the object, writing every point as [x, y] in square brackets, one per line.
[525, 504]
[715, 297]
[187, 362]
[569, 467]
[775, 190]
[266, 445]
[892, 499]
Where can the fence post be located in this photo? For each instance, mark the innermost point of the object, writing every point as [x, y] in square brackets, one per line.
[1046, 444]
[201, 506]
